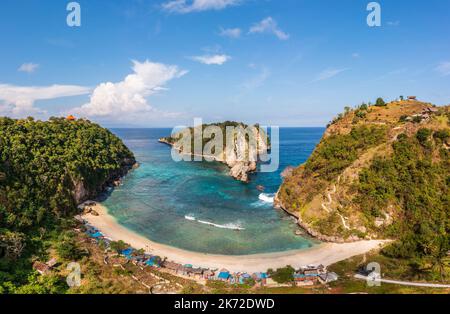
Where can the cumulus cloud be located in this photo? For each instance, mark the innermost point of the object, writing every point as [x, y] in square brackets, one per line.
[129, 97]
[189, 6]
[19, 100]
[443, 68]
[212, 59]
[327, 74]
[231, 32]
[28, 67]
[269, 26]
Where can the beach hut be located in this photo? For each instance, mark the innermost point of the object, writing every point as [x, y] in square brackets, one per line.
[198, 272]
[208, 274]
[97, 235]
[244, 277]
[224, 275]
[41, 268]
[154, 261]
[52, 262]
[328, 277]
[127, 253]
[261, 277]
[172, 266]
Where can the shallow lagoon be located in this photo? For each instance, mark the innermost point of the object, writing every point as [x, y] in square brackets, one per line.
[196, 206]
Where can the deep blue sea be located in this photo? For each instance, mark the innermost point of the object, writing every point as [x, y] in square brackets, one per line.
[196, 206]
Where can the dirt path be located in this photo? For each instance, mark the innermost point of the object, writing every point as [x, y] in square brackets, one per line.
[330, 201]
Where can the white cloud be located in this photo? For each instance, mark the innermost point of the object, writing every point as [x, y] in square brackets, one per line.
[356, 55]
[129, 97]
[28, 67]
[269, 26]
[188, 6]
[443, 68]
[212, 59]
[231, 32]
[327, 74]
[19, 100]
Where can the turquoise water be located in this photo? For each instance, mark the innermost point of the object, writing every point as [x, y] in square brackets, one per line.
[196, 206]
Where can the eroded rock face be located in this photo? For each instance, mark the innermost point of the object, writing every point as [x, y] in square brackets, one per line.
[81, 193]
[242, 155]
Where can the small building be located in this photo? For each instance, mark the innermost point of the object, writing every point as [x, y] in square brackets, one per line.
[223, 275]
[412, 98]
[208, 274]
[41, 268]
[430, 110]
[52, 262]
[172, 266]
[154, 261]
[70, 118]
[328, 277]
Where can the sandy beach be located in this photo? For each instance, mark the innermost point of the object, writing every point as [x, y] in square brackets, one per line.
[326, 254]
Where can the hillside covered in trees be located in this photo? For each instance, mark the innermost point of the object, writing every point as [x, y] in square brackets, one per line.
[46, 170]
[380, 172]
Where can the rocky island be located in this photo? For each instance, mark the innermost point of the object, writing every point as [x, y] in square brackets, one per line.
[237, 145]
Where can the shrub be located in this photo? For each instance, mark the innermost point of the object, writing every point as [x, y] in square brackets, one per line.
[443, 135]
[423, 135]
[380, 102]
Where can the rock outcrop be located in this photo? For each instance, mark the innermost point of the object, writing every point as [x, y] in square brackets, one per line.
[81, 192]
[241, 152]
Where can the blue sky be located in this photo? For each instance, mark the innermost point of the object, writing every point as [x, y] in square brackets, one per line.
[161, 63]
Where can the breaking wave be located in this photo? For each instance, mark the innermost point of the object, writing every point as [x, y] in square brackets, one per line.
[267, 198]
[231, 226]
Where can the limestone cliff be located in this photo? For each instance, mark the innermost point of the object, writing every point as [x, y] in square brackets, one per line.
[239, 150]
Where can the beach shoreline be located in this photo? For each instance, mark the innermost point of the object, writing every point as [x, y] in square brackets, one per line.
[325, 254]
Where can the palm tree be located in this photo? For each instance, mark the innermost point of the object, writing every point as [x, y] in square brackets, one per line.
[439, 258]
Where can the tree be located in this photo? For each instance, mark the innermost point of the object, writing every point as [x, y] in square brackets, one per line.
[119, 246]
[423, 135]
[12, 244]
[380, 102]
[282, 275]
[67, 248]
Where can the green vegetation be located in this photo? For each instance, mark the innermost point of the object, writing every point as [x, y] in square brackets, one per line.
[42, 164]
[415, 179]
[337, 152]
[380, 102]
[119, 246]
[395, 178]
[282, 275]
[67, 248]
[223, 127]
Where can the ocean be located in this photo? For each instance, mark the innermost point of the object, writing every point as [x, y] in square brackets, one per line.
[197, 207]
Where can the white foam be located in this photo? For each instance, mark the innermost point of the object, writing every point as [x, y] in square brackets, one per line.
[190, 217]
[267, 198]
[231, 226]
